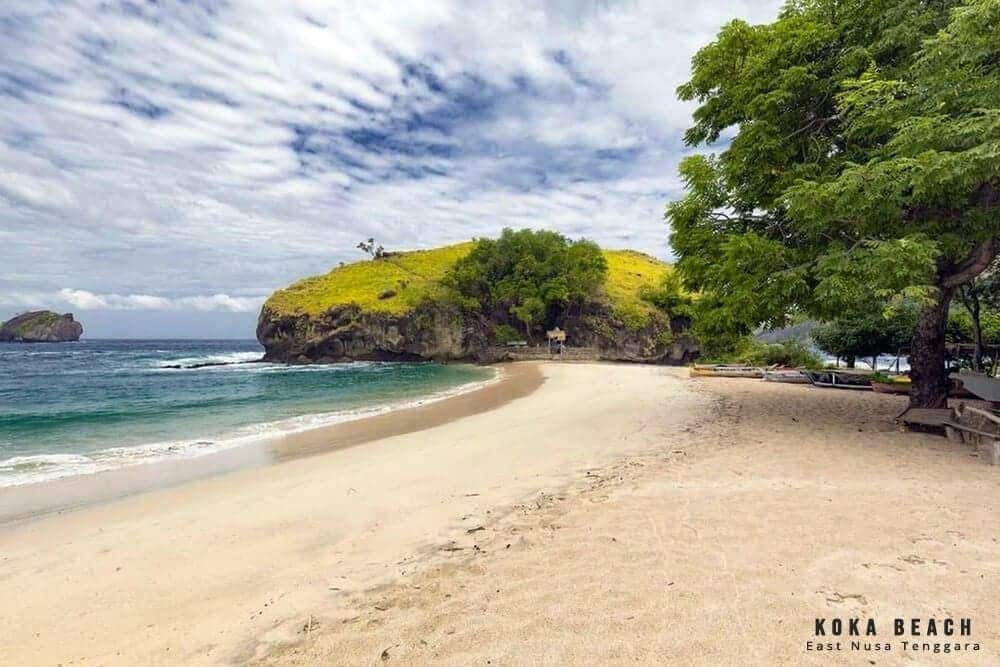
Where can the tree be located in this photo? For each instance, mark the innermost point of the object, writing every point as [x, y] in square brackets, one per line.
[867, 334]
[530, 276]
[369, 247]
[865, 165]
[669, 296]
[980, 293]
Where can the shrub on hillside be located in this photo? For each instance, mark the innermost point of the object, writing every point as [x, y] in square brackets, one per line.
[527, 277]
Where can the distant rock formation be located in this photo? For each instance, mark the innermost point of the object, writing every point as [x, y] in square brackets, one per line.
[40, 326]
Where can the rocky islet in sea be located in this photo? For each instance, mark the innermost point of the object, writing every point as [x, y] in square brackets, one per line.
[41, 326]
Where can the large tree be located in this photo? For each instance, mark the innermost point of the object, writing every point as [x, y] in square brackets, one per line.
[864, 163]
[529, 276]
[979, 295]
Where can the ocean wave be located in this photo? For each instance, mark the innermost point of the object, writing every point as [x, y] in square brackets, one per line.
[21, 470]
[210, 359]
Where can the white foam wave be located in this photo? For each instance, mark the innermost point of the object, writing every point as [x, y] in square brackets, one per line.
[226, 358]
[21, 470]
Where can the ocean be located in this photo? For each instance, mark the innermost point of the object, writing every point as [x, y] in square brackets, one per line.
[78, 408]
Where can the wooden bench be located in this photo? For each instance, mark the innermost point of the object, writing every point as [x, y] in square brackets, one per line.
[933, 417]
[987, 443]
[988, 415]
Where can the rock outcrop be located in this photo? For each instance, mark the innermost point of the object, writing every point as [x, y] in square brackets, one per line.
[345, 333]
[41, 326]
[659, 341]
[440, 333]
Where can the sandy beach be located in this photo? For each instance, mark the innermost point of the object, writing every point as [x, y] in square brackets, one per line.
[570, 514]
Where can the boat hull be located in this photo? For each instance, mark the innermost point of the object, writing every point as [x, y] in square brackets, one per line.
[839, 380]
[788, 377]
[727, 371]
[891, 387]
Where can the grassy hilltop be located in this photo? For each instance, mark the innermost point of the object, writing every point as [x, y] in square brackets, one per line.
[411, 277]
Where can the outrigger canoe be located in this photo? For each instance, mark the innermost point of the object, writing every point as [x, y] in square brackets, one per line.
[840, 379]
[897, 385]
[723, 371]
[902, 384]
[789, 375]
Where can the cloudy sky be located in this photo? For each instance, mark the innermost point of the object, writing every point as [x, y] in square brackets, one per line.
[166, 165]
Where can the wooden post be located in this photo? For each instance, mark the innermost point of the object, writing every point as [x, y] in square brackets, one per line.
[990, 451]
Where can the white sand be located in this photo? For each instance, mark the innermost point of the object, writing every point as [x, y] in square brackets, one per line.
[627, 514]
[718, 544]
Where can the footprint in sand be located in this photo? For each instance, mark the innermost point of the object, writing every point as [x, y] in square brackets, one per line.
[869, 566]
[914, 559]
[840, 598]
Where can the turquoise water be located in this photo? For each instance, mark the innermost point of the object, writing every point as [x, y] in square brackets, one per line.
[75, 408]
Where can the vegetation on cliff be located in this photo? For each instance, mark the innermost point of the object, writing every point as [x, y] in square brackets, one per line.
[527, 277]
[397, 283]
[394, 283]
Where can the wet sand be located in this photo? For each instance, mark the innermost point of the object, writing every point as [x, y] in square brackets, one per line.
[31, 501]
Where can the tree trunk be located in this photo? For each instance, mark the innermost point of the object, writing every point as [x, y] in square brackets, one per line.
[927, 355]
[977, 336]
[849, 361]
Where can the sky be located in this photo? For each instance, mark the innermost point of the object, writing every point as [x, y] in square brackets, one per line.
[164, 166]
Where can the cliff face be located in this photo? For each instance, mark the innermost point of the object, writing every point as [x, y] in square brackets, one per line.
[391, 309]
[42, 326]
[433, 332]
[345, 333]
[440, 333]
[659, 341]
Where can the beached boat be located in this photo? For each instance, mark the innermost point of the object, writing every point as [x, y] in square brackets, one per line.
[788, 375]
[724, 371]
[902, 384]
[839, 379]
[896, 385]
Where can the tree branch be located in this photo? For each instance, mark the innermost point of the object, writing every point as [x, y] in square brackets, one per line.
[719, 216]
[818, 123]
[978, 261]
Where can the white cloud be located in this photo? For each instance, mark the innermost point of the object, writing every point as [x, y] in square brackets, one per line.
[82, 299]
[223, 302]
[33, 191]
[86, 300]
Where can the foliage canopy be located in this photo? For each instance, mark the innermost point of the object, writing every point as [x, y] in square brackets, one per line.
[867, 334]
[533, 276]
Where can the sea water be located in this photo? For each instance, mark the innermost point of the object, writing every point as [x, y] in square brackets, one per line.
[78, 408]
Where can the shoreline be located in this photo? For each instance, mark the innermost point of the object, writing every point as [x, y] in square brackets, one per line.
[26, 502]
[225, 568]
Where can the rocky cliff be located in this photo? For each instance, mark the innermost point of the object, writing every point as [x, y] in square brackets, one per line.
[391, 309]
[346, 332]
[42, 326]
